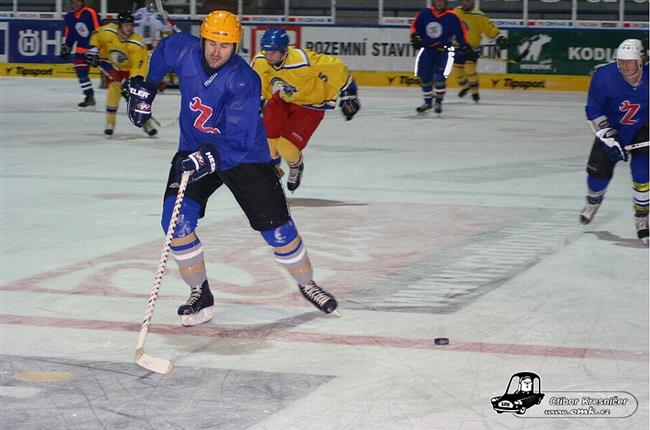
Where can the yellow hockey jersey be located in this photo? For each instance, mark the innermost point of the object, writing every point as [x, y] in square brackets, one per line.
[130, 54]
[305, 78]
[478, 24]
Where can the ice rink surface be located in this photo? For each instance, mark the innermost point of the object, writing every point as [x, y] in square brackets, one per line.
[464, 226]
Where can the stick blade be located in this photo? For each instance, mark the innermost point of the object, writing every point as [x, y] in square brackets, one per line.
[156, 365]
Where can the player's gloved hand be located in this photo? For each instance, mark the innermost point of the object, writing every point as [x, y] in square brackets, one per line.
[92, 56]
[124, 89]
[141, 95]
[501, 42]
[416, 41]
[201, 163]
[65, 52]
[349, 101]
[613, 148]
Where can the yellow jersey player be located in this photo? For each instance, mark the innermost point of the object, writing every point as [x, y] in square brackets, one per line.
[298, 86]
[478, 25]
[119, 53]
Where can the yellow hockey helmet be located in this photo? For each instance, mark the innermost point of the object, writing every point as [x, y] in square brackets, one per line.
[221, 26]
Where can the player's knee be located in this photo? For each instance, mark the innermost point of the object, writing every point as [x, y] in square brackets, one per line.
[187, 218]
[281, 236]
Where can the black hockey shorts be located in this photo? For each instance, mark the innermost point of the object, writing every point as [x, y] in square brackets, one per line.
[599, 164]
[255, 186]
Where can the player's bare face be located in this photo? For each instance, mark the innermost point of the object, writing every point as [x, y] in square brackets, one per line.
[217, 53]
[126, 30]
[275, 58]
[440, 5]
[630, 70]
[76, 4]
[467, 4]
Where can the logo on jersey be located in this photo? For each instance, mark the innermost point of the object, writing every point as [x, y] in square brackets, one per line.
[82, 29]
[280, 85]
[205, 113]
[117, 57]
[630, 110]
[434, 30]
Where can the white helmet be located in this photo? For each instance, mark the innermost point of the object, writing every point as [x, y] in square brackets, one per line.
[630, 49]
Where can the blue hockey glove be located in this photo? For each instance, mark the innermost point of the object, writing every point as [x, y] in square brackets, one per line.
[416, 41]
[613, 148]
[349, 101]
[92, 56]
[501, 42]
[141, 95]
[202, 163]
[65, 52]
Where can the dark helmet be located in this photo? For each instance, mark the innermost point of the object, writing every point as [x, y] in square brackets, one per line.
[275, 39]
[125, 18]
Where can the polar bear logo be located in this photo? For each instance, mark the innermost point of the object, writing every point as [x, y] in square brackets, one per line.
[534, 46]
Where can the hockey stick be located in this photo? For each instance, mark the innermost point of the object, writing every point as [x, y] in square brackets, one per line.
[637, 145]
[159, 365]
[165, 15]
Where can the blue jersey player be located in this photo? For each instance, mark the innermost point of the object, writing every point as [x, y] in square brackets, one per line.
[80, 23]
[436, 31]
[617, 110]
[222, 141]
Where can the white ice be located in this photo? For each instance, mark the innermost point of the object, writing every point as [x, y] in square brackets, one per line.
[463, 226]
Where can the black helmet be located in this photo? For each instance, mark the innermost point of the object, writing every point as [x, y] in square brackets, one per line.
[125, 18]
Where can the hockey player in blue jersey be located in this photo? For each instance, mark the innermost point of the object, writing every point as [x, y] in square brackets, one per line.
[80, 23]
[617, 110]
[222, 141]
[436, 31]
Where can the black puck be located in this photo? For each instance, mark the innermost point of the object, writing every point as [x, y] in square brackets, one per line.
[441, 341]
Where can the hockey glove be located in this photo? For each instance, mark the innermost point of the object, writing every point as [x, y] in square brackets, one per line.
[613, 148]
[416, 41]
[141, 95]
[349, 101]
[201, 163]
[92, 56]
[65, 52]
[501, 42]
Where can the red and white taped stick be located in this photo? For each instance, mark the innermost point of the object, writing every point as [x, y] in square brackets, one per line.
[154, 364]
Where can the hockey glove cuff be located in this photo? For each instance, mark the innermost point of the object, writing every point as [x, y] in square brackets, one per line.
[416, 41]
[613, 148]
[349, 101]
[65, 52]
[201, 163]
[141, 95]
[92, 56]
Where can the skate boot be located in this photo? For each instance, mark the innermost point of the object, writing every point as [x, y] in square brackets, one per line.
[295, 175]
[641, 224]
[589, 211]
[319, 297]
[437, 107]
[425, 107]
[108, 130]
[198, 307]
[476, 98]
[149, 129]
[463, 92]
[88, 103]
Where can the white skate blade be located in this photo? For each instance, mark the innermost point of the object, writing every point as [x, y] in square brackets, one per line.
[88, 109]
[202, 316]
[153, 364]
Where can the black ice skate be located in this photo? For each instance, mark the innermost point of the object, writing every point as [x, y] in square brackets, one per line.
[476, 98]
[641, 224]
[425, 107]
[198, 307]
[462, 93]
[149, 129]
[589, 211]
[319, 297]
[295, 175]
[437, 108]
[88, 103]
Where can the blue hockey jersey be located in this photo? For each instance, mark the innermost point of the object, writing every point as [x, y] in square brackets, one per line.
[625, 106]
[79, 26]
[221, 109]
[439, 29]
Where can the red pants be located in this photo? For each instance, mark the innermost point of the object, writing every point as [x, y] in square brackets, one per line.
[293, 122]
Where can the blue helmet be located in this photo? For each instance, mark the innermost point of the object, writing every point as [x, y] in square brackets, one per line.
[275, 39]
